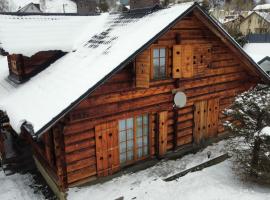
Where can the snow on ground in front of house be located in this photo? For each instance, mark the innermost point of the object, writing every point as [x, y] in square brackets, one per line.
[217, 182]
[214, 183]
[17, 187]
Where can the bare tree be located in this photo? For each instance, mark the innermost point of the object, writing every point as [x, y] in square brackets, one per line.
[4, 7]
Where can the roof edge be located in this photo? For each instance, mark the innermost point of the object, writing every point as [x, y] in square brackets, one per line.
[47, 14]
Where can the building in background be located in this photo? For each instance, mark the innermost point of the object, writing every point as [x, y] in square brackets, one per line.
[30, 8]
[256, 22]
[262, 8]
[86, 6]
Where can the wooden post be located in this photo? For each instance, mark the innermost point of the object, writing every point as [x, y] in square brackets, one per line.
[59, 148]
[175, 121]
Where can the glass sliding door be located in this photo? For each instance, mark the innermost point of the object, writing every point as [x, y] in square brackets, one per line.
[126, 138]
[133, 139]
[142, 134]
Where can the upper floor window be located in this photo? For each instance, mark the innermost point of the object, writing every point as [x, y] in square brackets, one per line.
[159, 63]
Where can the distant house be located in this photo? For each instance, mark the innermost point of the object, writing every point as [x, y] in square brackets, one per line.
[44, 6]
[256, 22]
[30, 8]
[86, 6]
[124, 2]
[265, 64]
[232, 22]
[262, 8]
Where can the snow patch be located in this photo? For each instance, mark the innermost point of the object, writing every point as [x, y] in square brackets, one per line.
[216, 182]
[257, 51]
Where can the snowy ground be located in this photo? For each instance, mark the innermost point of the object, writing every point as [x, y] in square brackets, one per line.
[17, 187]
[214, 183]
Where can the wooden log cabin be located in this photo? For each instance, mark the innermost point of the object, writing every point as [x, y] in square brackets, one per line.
[109, 102]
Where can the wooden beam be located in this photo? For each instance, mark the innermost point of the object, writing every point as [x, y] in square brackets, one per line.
[60, 195]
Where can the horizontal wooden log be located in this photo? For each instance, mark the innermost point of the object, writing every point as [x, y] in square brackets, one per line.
[80, 154]
[188, 139]
[80, 164]
[80, 145]
[124, 96]
[88, 124]
[81, 174]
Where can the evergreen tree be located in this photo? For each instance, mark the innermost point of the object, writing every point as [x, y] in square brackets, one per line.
[250, 120]
[103, 5]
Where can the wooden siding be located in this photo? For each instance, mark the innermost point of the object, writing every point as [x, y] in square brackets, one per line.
[119, 98]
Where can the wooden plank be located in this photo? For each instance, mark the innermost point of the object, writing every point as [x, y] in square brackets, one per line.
[54, 187]
[212, 117]
[199, 167]
[182, 61]
[81, 174]
[177, 52]
[163, 129]
[142, 65]
[107, 148]
[77, 165]
[152, 131]
[80, 154]
[200, 120]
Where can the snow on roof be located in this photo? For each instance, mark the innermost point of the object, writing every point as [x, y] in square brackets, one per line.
[257, 51]
[264, 15]
[107, 42]
[28, 35]
[47, 6]
[262, 7]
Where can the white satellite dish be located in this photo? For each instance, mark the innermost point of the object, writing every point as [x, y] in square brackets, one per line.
[180, 99]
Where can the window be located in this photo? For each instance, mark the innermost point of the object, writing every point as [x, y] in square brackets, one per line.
[142, 136]
[159, 63]
[133, 138]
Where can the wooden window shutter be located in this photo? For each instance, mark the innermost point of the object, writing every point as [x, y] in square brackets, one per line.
[177, 52]
[182, 61]
[162, 132]
[142, 66]
[200, 121]
[152, 130]
[107, 148]
[212, 117]
[206, 115]
[208, 55]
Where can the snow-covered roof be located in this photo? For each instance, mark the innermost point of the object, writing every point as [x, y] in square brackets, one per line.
[264, 15]
[28, 35]
[105, 42]
[47, 6]
[262, 7]
[257, 51]
[30, 8]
